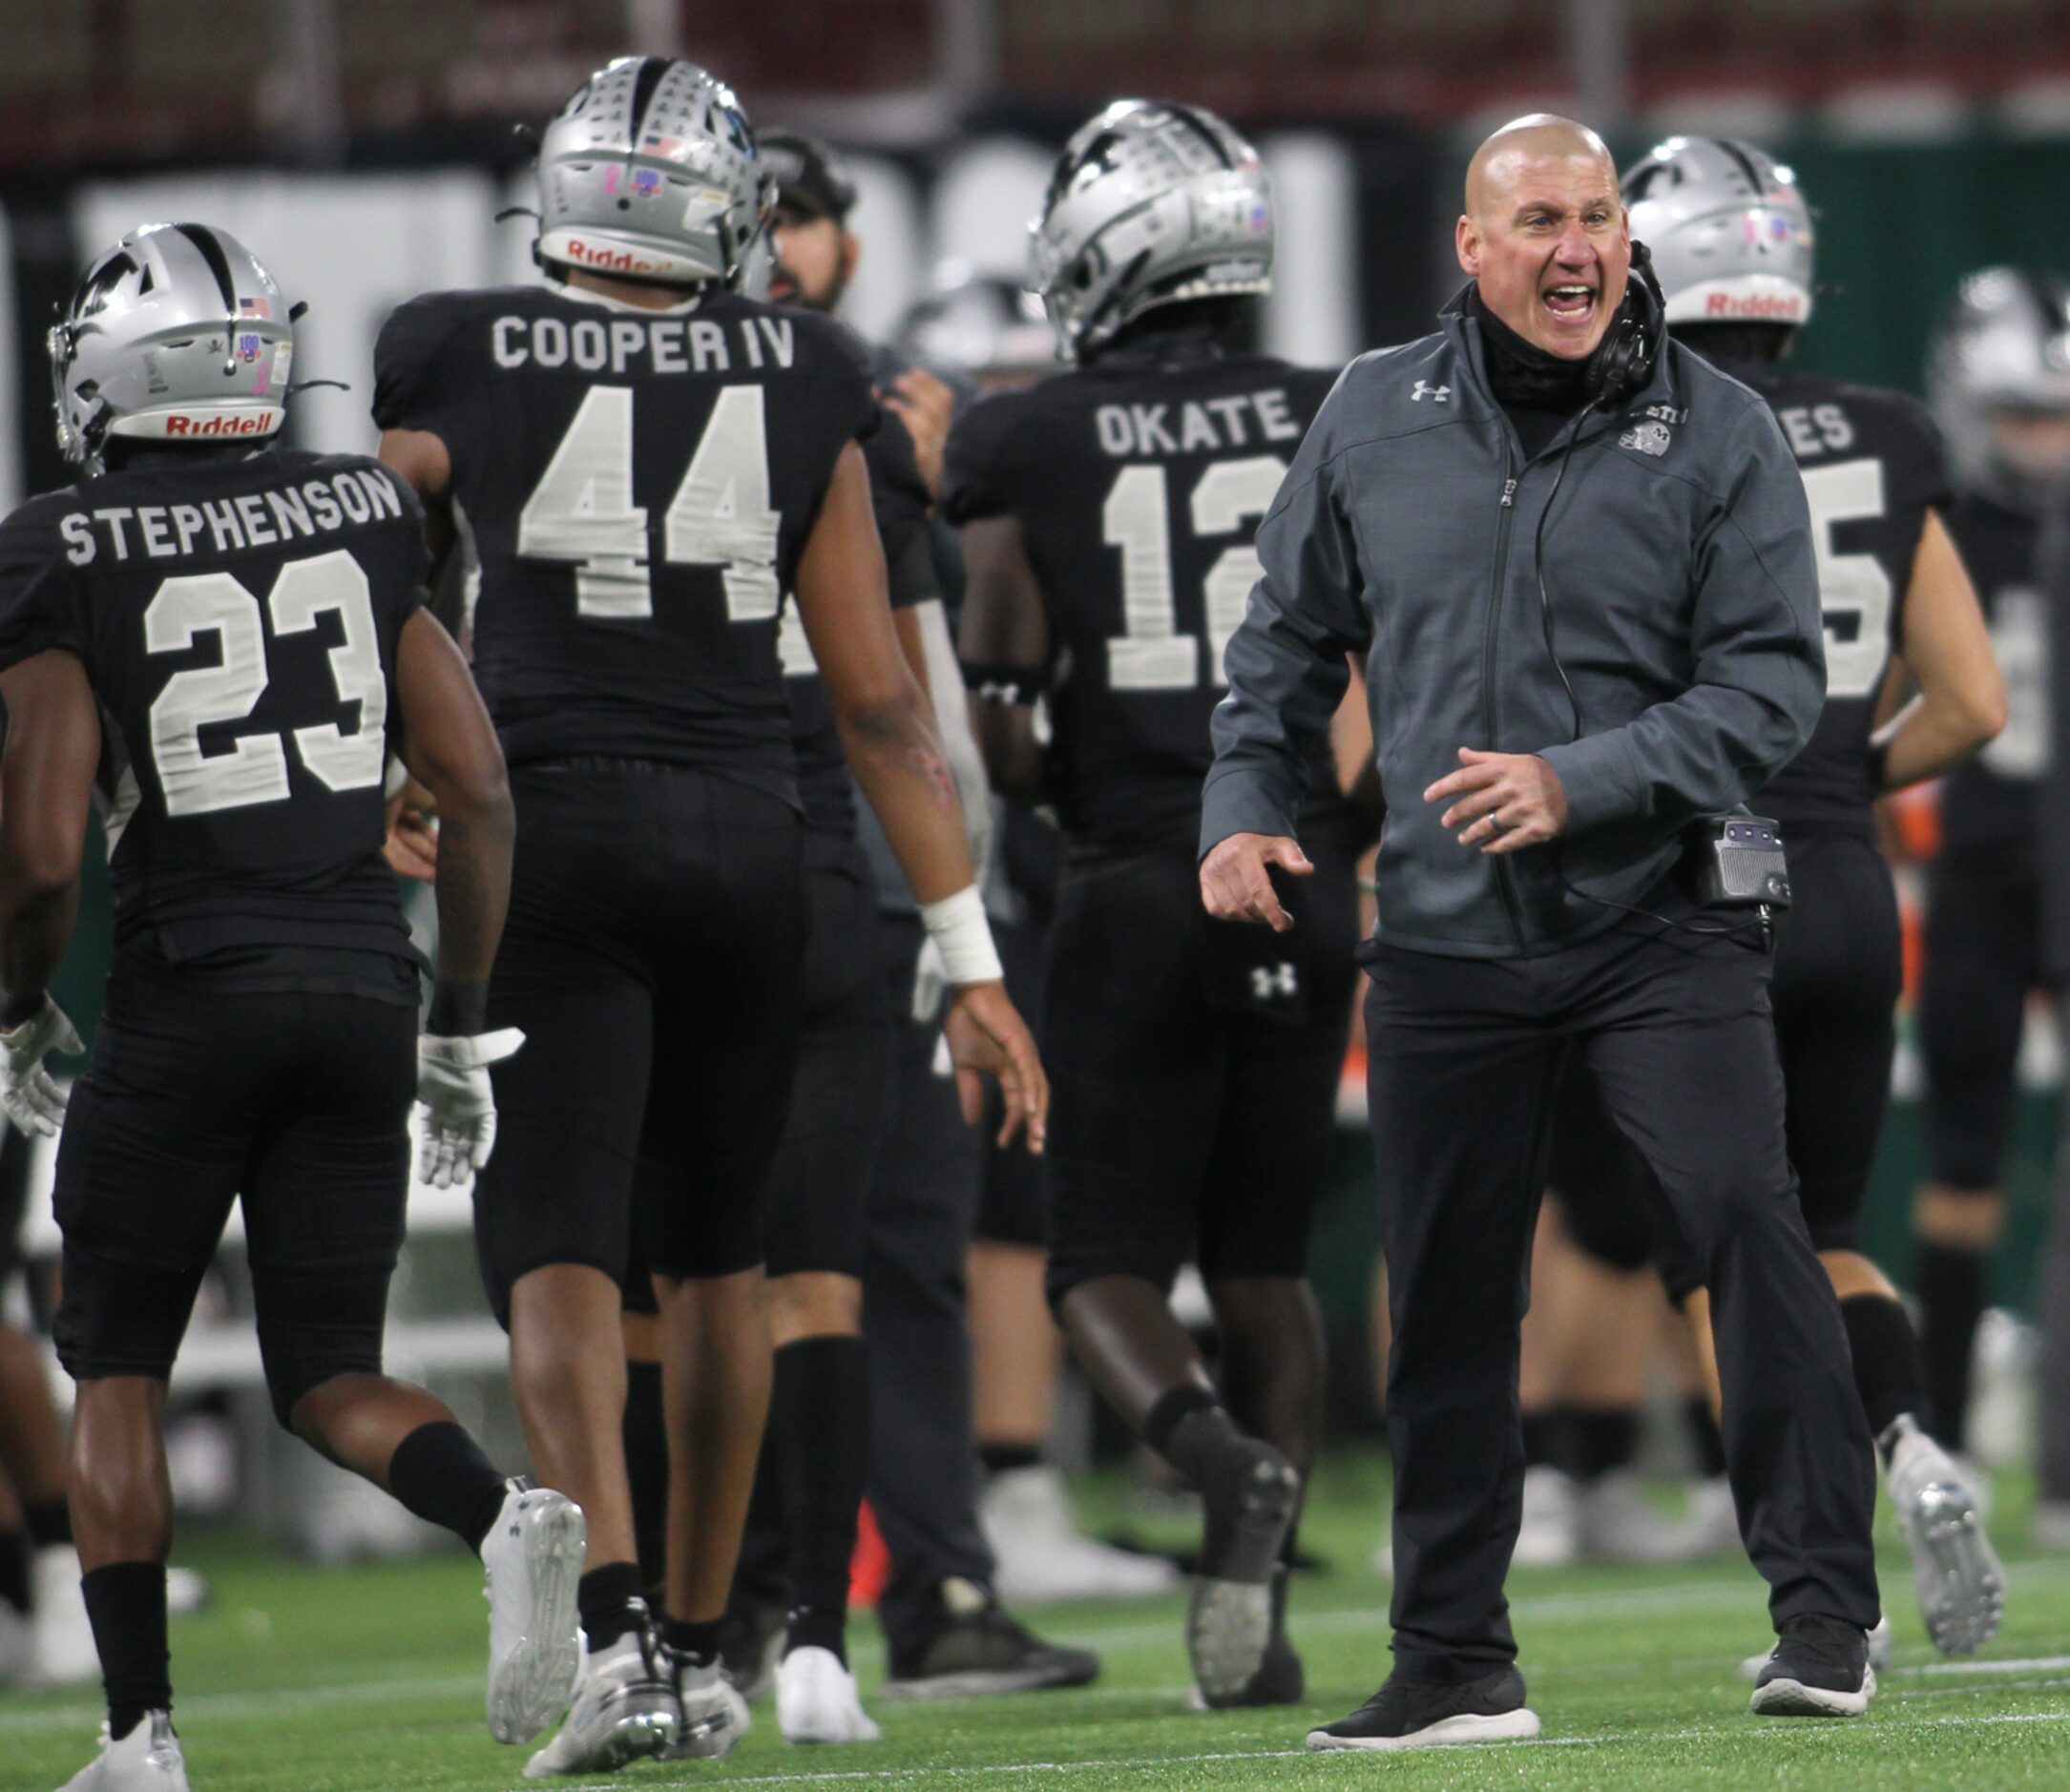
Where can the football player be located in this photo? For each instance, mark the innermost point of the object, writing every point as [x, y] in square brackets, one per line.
[647, 461]
[986, 332]
[948, 1633]
[1107, 517]
[45, 1638]
[787, 1620]
[224, 639]
[1999, 379]
[1731, 240]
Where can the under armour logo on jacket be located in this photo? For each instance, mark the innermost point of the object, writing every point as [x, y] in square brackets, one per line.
[1425, 389]
[1270, 980]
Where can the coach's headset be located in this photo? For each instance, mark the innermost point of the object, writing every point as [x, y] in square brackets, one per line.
[1620, 367]
[1622, 362]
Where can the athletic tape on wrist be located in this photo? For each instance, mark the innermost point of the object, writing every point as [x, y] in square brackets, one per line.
[957, 925]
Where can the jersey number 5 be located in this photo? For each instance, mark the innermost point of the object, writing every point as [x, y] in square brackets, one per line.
[1152, 655]
[582, 509]
[255, 769]
[1849, 584]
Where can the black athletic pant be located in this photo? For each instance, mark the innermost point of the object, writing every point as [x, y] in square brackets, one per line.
[921, 1215]
[1464, 1056]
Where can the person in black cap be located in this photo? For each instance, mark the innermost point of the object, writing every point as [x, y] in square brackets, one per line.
[816, 255]
[946, 1631]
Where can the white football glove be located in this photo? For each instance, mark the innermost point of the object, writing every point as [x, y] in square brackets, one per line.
[456, 1108]
[32, 1100]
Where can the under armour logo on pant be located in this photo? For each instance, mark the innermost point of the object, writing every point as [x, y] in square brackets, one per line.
[1280, 979]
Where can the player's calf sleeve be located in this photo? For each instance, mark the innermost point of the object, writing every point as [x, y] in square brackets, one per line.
[819, 1429]
[1188, 1427]
[48, 1522]
[15, 1556]
[609, 1603]
[440, 1473]
[1706, 1443]
[1887, 1373]
[1548, 1443]
[646, 1467]
[1951, 1290]
[1602, 1439]
[125, 1603]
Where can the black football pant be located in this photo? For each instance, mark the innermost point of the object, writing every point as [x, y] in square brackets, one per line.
[921, 1215]
[1464, 1056]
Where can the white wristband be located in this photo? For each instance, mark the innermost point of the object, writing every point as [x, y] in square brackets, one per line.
[957, 925]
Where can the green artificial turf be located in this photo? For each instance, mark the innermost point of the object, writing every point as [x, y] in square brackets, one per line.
[330, 1680]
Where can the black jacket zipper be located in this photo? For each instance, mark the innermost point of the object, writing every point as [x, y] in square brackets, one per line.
[1505, 877]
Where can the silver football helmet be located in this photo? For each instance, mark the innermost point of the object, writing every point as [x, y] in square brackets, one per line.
[1150, 204]
[649, 173]
[982, 325]
[1730, 230]
[176, 334]
[2002, 352]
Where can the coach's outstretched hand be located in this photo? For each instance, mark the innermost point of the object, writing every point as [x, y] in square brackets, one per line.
[33, 1101]
[1236, 878]
[456, 1108]
[986, 1034]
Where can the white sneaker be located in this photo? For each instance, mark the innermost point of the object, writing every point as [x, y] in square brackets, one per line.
[1550, 1535]
[65, 1653]
[186, 1592]
[1615, 1522]
[147, 1760]
[816, 1700]
[1042, 1555]
[1879, 1653]
[714, 1714]
[532, 1559]
[17, 1645]
[1960, 1584]
[1716, 1517]
[624, 1709]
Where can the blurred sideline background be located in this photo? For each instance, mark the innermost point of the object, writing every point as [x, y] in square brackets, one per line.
[363, 147]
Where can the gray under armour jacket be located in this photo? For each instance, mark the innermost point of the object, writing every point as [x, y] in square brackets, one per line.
[1679, 591]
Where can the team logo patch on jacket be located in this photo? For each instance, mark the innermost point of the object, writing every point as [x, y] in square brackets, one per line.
[1648, 438]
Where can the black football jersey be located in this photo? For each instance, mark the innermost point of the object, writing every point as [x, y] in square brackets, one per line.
[1988, 806]
[900, 497]
[238, 622]
[1139, 483]
[638, 486]
[1872, 467]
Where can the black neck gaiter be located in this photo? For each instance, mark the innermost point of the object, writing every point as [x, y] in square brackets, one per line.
[1539, 391]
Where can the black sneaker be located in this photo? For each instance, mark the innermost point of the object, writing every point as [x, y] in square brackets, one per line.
[1278, 1679]
[1418, 1714]
[1248, 1499]
[1820, 1669]
[978, 1649]
[750, 1644]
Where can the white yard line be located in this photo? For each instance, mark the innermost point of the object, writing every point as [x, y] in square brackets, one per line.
[1156, 1764]
[2011, 1664]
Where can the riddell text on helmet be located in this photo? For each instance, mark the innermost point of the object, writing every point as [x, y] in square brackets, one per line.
[225, 422]
[622, 261]
[1725, 304]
